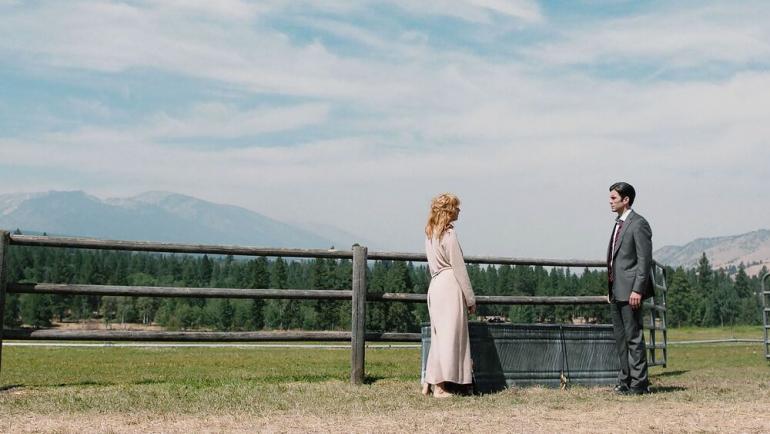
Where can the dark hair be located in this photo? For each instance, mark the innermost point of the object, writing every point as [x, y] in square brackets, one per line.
[624, 189]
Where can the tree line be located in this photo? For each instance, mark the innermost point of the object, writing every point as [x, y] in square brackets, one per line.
[700, 296]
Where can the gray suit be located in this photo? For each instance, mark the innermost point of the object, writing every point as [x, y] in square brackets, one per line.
[631, 267]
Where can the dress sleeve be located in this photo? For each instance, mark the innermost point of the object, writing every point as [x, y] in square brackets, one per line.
[457, 262]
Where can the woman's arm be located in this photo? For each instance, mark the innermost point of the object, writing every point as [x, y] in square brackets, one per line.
[458, 266]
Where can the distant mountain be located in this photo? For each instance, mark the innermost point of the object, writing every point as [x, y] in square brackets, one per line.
[752, 249]
[153, 216]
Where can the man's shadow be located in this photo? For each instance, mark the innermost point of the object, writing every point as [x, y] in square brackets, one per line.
[669, 374]
[666, 389]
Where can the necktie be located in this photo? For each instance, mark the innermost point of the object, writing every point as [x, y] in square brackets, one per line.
[613, 243]
[617, 234]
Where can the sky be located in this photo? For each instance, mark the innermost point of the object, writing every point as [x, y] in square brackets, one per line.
[356, 113]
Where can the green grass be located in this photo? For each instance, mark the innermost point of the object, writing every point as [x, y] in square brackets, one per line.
[181, 379]
[265, 383]
[697, 333]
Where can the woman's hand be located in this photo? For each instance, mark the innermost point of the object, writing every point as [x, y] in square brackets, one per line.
[472, 309]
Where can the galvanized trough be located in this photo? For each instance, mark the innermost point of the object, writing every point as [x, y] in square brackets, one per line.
[506, 354]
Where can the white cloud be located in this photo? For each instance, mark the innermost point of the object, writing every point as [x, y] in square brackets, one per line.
[90, 107]
[525, 10]
[220, 121]
[478, 11]
[221, 9]
[684, 37]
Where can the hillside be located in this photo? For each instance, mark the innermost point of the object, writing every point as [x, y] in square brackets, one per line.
[156, 216]
[752, 249]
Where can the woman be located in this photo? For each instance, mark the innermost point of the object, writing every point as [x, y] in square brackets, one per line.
[449, 295]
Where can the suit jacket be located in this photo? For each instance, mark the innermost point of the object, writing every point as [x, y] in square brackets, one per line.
[631, 259]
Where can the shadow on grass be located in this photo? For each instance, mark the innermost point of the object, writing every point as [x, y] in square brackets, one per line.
[667, 389]
[10, 387]
[86, 383]
[670, 374]
[192, 381]
[371, 379]
[207, 382]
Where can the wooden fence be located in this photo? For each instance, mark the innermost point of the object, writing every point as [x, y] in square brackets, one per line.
[357, 294]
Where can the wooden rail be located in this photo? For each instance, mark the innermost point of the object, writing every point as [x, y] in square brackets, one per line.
[149, 246]
[357, 294]
[166, 291]
[196, 336]
[305, 294]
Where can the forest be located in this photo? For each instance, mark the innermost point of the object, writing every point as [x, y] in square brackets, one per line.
[700, 296]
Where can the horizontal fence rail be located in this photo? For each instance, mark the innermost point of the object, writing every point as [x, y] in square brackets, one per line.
[195, 336]
[172, 291]
[150, 246]
[358, 294]
[492, 260]
[306, 294]
[496, 299]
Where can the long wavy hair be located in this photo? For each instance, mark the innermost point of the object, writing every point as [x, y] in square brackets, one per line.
[444, 209]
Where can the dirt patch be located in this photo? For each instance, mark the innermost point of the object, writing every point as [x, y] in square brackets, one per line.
[644, 414]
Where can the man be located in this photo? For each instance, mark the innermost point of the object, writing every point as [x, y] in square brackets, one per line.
[629, 262]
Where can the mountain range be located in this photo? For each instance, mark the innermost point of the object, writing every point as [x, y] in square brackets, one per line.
[172, 217]
[751, 249]
[159, 216]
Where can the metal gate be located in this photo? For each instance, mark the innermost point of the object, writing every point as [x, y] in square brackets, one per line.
[766, 313]
[657, 351]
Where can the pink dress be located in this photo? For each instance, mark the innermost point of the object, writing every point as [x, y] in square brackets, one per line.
[449, 295]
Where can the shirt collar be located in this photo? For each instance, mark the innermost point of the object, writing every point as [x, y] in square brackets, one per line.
[625, 214]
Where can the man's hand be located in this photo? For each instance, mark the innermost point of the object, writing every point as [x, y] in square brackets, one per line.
[472, 309]
[635, 300]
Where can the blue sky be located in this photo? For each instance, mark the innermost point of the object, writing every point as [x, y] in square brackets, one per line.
[355, 113]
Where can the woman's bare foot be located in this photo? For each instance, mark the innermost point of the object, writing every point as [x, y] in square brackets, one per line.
[426, 389]
[440, 392]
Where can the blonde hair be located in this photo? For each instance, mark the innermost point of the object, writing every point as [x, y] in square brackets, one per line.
[443, 211]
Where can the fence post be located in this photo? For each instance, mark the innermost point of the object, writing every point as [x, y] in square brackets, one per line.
[358, 312]
[5, 239]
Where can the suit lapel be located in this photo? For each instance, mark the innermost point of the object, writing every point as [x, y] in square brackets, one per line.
[626, 223]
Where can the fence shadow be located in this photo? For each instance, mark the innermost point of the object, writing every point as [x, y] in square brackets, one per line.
[10, 387]
[371, 379]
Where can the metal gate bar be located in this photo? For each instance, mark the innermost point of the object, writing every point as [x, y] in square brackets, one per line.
[656, 307]
[766, 313]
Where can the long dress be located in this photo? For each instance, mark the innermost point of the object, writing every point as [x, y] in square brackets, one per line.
[450, 292]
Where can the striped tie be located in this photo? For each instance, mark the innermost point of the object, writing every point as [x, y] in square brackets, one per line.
[613, 243]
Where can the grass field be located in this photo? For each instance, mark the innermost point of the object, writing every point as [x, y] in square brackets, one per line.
[705, 388]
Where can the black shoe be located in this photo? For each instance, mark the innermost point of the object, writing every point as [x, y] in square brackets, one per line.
[641, 390]
[620, 389]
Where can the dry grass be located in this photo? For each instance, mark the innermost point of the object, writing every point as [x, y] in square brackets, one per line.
[717, 388]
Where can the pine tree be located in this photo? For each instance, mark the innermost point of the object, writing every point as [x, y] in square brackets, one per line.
[274, 311]
[36, 310]
[742, 282]
[400, 317]
[12, 312]
[680, 300]
[707, 304]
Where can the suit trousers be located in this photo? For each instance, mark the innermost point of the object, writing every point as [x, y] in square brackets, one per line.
[629, 340]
